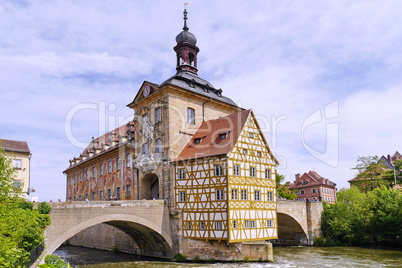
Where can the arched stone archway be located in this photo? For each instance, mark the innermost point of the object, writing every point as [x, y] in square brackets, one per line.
[290, 232]
[149, 187]
[149, 237]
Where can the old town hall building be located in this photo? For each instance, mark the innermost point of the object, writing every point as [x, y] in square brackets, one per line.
[191, 146]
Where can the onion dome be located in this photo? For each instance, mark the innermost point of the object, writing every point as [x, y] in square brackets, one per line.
[185, 35]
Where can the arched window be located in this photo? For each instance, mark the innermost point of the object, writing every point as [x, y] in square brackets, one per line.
[190, 115]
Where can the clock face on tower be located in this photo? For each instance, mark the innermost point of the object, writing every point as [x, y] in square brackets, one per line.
[147, 90]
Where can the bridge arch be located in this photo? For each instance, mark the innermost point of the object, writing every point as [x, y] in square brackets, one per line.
[149, 237]
[290, 231]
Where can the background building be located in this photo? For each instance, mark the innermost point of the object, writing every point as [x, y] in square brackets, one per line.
[312, 187]
[21, 157]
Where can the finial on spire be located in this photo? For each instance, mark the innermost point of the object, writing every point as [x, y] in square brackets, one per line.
[185, 28]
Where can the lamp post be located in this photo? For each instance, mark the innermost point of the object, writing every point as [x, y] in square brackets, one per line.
[394, 176]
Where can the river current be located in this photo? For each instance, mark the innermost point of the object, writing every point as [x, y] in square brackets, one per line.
[300, 257]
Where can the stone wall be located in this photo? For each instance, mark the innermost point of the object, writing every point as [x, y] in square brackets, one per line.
[215, 250]
[103, 236]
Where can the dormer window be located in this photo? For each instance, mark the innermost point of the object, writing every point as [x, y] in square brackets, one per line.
[223, 136]
[197, 141]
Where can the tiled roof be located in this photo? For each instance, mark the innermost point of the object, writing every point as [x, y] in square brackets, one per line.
[209, 137]
[314, 179]
[14, 146]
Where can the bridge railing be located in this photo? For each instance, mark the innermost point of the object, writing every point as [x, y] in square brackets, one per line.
[118, 203]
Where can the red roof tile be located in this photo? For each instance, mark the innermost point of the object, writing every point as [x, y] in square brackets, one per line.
[14, 146]
[207, 141]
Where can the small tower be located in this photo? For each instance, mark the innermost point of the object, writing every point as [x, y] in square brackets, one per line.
[186, 49]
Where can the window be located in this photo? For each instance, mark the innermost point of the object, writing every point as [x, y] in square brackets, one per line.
[158, 115]
[246, 224]
[236, 170]
[86, 197]
[93, 196]
[128, 191]
[80, 198]
[144, 148]
[257, 196]
[301, 191]
[202, 225]
[93, 172]
[182, 197]
[87, 174]
[251, 135]
[197, 140]
[222, 136]
[234, 194]
[270, 196]
[243, 194]
[218, 225]
[101, 169]
[188, 225]
[109, 166]
[252, 223]
[109, 194]
[269, 223]
[118, 193]
[218, 170]
[118, 163]
[158, 146]
[181, 174]
[219, 194]
[17, 163]
[252, 171]
[314, 191]
[100, 195]
[69, 180]
[17, 184]
[128, 160]
[75, 198]
[259, 154]
[190, 115]
[244, 151]
[234, 224]
[81, 176]
[268, 173]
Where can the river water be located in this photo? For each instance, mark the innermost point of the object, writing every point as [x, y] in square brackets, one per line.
[334, 257]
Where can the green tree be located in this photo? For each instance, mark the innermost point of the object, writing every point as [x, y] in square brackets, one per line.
[21, 227]
[370, 174]
[283, 190]
[364, 218]
[394, 174]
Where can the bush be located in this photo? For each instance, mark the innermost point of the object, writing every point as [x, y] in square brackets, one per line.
[53, 261]
[179, 257]
[26, 205]
[196, 259]
[44, 208]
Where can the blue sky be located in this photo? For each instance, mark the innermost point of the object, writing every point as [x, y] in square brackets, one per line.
[323, 77]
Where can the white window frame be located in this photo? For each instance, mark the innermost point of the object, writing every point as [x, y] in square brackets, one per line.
[219, 195]
[268, 173]
[218, 170]
[158, 115]
[182, 196]
[218, 225]
[235, 194]
[257, 195]
[246, 224]
[236, 170]
[202, 225]
[17, 163]
[252, 223]
[190, 115]
[270, 223]
[270, 196]
[252, 171]
[181, 174]
[243, 194]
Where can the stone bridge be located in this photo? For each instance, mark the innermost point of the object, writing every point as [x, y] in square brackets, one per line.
[148, 223]
[299, 222]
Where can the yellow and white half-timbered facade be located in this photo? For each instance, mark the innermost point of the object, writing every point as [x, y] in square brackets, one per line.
[225, 182]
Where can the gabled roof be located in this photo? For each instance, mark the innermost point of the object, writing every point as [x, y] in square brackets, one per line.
[314, 179]
[385, 162]
[208, 137]
[15, 146]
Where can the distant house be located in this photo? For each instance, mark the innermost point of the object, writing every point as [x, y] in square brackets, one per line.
[21, 157]
[312, 187]
[387, 161]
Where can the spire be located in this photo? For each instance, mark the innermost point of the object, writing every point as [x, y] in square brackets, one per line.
[185, 28]
[186, 49]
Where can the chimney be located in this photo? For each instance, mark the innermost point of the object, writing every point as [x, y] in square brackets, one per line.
[389, 158]
[297, 176]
